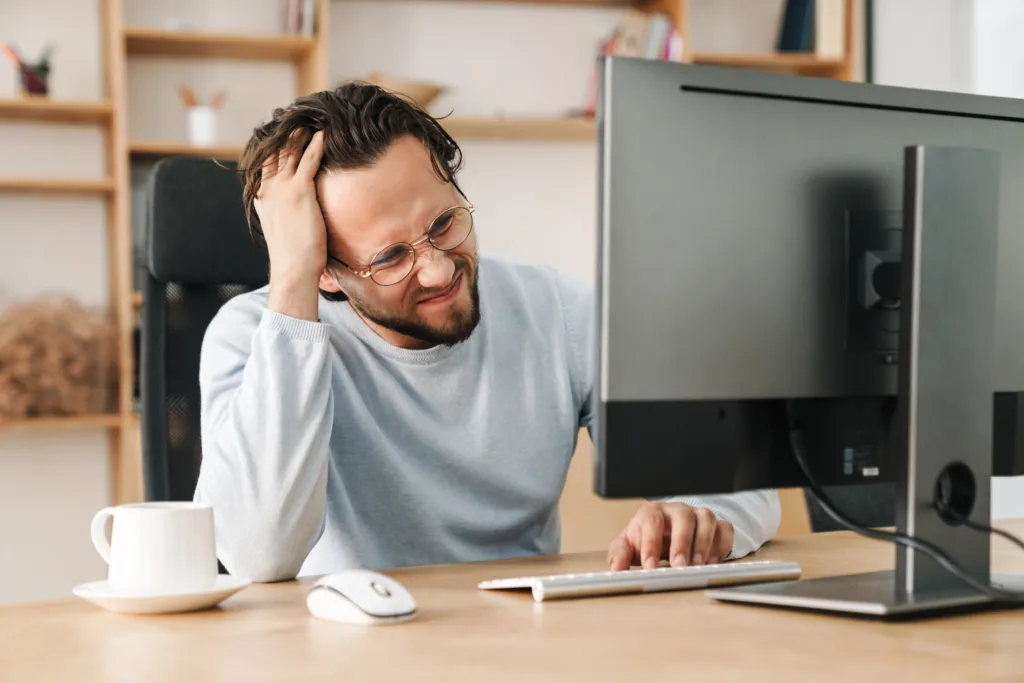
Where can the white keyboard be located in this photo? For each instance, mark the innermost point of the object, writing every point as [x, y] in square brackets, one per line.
[559, 586]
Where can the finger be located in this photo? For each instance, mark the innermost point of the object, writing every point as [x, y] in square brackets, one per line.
[620, 554]
[634, 536]
[289, 157]
[684, 523]
[269, 169]
[310, 163]
[653, 529]
[704, 535]
[724, 538]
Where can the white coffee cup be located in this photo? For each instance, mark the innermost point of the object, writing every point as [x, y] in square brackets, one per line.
[158, 548]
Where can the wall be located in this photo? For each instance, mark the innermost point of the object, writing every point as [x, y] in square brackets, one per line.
[51, 484]
[998, 56]
[924, 43]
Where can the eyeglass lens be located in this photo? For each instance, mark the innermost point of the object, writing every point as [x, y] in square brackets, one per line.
[392, 264]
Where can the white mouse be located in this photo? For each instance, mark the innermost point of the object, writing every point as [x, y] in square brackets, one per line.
[362, 597]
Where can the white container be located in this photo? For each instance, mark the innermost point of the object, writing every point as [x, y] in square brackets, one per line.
[202, 126]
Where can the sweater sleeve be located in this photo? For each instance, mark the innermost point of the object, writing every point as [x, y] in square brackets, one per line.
[755, 515]
[265, 383]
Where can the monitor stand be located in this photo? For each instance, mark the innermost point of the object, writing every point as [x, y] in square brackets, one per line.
[947, 332]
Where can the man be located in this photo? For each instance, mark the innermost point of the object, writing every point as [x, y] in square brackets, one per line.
[393, 398]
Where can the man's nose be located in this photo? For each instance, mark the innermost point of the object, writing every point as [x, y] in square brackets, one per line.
[435, 269]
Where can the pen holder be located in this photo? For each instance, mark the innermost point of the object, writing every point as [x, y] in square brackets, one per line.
[35, 79]
[202, 126]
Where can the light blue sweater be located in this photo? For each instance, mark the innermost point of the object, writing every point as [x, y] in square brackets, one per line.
[325, 447]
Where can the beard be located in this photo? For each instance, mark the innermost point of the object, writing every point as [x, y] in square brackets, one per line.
[455, 330]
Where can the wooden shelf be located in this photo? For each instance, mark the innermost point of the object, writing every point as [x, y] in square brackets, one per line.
[781, 61]
[109, 421]
[65, 186]
[168, 149]
[58, 111]
[521, 128]
[145, 41]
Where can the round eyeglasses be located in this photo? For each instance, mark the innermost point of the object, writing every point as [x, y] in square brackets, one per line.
[393, 263]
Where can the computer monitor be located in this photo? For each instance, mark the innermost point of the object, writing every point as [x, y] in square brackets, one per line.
[778, 250]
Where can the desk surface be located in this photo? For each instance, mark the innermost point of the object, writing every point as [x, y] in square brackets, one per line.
[462, 634]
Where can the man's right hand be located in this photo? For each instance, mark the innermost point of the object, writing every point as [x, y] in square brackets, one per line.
[293, 227]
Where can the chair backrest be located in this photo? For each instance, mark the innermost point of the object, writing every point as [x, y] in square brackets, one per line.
[199, 254]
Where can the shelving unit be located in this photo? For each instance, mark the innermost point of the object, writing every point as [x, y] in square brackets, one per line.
[307, 54]
[114, 190]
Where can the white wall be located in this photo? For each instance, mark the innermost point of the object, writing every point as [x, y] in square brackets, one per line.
[923, 43]
[998, 55]
[50, 487]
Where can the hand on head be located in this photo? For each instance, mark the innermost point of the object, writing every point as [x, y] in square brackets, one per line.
[293, 226]
[676, 532]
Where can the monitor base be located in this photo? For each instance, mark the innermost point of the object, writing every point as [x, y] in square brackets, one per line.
[872, 595]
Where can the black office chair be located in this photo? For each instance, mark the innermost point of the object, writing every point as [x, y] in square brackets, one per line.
[871, 505]
[199, 255]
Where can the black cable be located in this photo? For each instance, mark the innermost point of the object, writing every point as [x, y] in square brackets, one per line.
[931, 550]
[984, 528]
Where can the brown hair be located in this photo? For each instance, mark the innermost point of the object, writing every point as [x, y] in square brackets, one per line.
[360, 123]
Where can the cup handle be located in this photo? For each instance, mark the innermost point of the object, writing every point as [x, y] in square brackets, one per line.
[99, 533]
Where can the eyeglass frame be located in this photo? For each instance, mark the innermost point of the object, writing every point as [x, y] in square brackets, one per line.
[364, 271]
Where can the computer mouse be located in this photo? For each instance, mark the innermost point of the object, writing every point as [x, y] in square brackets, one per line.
[362, 597]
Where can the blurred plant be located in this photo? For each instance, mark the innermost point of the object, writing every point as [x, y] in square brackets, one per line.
[56, 358]
[34, 76]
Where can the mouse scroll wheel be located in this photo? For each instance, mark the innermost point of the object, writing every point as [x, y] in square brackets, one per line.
[381, 590]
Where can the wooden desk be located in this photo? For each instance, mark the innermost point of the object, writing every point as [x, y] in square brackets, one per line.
[462, 634]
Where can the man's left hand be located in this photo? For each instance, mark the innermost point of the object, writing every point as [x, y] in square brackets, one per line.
[682, 534]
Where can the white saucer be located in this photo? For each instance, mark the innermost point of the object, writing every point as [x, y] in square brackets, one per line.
[100, 593]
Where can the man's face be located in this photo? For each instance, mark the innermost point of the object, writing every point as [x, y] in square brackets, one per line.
[395, 201]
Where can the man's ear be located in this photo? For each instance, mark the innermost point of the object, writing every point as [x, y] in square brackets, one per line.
[328, 283]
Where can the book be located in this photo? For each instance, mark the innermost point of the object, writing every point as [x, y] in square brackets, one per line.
[829, 29]
[674, 47]
[797, 30]
[639, 35]
[658, 29]
[308, 17]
